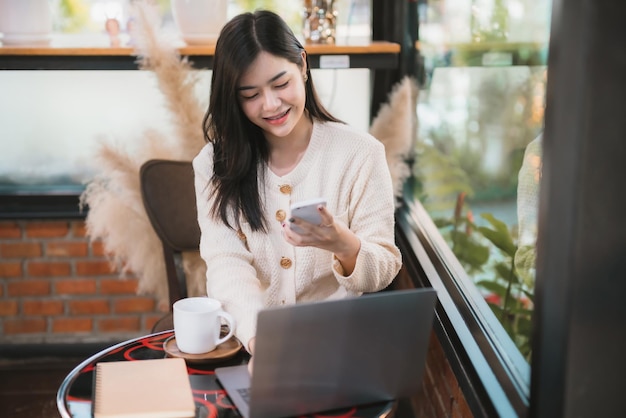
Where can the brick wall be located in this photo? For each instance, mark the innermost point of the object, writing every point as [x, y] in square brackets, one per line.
[56, 286]
[441, 395]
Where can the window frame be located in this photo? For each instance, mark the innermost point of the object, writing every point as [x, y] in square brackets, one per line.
[484, 359]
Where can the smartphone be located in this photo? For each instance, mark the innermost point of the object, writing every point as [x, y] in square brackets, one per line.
[307, 210]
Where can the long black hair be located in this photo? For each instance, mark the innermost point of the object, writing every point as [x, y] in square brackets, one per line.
[239, 145]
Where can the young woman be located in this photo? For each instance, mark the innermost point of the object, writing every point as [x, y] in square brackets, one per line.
[270, 144]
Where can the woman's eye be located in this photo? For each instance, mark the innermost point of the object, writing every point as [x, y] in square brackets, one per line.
[249, 97]
[281, 86]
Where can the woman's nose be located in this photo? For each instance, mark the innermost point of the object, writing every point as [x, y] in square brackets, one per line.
[271, 101]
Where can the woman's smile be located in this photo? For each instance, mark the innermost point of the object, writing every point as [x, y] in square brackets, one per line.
[278, 119]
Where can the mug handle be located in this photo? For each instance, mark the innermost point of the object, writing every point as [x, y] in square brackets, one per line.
[231, 327]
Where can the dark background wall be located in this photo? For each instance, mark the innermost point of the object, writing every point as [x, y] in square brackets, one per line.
[580, 329]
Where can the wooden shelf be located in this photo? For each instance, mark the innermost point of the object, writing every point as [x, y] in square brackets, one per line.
[374, 55]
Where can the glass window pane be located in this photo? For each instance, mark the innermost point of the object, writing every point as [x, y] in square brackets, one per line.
[478, 155]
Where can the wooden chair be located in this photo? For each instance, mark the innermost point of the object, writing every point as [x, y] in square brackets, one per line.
[167, 189]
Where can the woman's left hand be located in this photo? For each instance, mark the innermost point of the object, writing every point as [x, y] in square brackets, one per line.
[329, 235]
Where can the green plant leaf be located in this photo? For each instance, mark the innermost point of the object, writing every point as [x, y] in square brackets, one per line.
[492, 286]
[442, 222]
[500, 236]
[522, 312]
[471, 254]
[504, 272]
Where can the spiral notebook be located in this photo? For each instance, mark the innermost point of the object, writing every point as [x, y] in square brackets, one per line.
[143, 389]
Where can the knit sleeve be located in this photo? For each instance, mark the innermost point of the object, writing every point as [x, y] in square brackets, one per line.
[231, 277]
[372, 220]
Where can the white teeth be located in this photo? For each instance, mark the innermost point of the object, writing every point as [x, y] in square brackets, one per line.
[279, 116]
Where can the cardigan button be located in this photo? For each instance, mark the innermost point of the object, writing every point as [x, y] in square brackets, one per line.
[285, 262]
[285, 189]
[280, 215]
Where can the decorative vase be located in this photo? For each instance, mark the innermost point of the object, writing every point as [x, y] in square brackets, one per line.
[319, 21]
[199, 21]
[25, 22]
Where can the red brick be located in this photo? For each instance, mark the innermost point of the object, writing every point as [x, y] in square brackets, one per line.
[455, 391]
[42, 307]
[1, 289]
[94, 268]
[28, 288]
[439, 404]
[79, 229]
[118, 286]
[67, 325]
[89, 307]
[24, 326]
[126, 323]
[8, 307]
[428, 407]
[48, 268]
[10, 270]
[442, 386]
[20, 250]
[133, 305]
[75, 286]
[66, 249]
[455, 411]
[463, 407]
[10, 230]
[47, 229]
[97, 249]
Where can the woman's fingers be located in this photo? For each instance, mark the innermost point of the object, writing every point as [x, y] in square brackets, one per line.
[327, 217]
[305, 228]
[251, 345]
[250, 365]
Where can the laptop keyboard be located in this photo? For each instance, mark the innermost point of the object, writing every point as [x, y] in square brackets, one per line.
[245, 394]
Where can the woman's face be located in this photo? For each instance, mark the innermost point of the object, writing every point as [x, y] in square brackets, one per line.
[272, 95]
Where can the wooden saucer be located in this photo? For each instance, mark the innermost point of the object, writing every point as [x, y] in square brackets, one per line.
[223, 351]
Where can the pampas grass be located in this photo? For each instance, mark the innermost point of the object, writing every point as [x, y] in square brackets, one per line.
[116, 213]
[396, 127]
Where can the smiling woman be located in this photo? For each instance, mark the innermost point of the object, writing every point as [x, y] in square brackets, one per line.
[275, 145]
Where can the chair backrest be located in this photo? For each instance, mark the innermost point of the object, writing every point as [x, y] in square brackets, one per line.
[167, 190]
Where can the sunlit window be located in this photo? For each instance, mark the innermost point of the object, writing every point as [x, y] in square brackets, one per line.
[478, 159]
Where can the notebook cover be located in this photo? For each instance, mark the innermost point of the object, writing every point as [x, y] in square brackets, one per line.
[143, 389]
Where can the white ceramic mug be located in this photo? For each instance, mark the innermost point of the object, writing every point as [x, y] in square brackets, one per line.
[197, 324]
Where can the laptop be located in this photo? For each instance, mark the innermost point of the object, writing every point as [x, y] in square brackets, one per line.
[320, 356]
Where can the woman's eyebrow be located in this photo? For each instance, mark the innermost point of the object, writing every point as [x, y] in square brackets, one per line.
[271, 80]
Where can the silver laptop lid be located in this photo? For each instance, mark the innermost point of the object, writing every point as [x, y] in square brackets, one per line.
[312, 357]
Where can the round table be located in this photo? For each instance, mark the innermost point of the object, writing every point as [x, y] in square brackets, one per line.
[74, 396]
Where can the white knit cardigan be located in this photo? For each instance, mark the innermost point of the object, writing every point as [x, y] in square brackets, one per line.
[248, 271]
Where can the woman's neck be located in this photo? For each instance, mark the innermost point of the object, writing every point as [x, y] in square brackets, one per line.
[285, 153]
